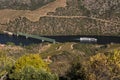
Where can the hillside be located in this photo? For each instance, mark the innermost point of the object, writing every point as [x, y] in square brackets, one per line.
[71, 61]
[10, 14]
[78, 17]
[22, 4]
[90, 51]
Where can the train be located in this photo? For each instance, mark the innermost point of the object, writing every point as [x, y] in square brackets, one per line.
[88, 39]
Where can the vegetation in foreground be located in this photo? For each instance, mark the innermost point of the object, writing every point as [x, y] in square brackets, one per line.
[62, 61]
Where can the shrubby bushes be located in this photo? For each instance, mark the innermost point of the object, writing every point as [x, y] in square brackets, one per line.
[63, 26]
[104, 66]
[31, 67]
[69, 66]
[23, 4]
[6, 63]
[99, 67]
[76, 72]
[31, 73]
[27, 67]
[33, 60]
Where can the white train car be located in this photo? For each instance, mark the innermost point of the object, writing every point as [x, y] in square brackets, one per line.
[87, 39]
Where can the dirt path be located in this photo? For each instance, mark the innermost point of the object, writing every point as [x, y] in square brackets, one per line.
[72, 46]
[84, 17]
[44, 48]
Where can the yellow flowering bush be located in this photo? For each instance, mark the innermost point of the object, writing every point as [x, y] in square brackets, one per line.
[5, 63]
[33, 60]
[31, 67]
[107, 64]
[114, 57]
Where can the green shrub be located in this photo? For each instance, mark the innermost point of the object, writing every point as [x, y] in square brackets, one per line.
[77, 72]
[108, 64]
[31, 73]
[86, 48]
[6, 63]
[31, 67]
[98, 67]
[10, 43]
[33, 60]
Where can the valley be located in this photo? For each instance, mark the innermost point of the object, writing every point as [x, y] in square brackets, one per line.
[59, 39]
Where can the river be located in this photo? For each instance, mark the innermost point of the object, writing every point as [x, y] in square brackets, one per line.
[17, 40]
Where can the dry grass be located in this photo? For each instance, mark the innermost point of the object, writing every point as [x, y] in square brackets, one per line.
[9, 14]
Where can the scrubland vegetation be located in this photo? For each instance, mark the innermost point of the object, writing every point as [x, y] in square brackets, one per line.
[59, 26]
[93, 20]
[23, 4]
[27, 67]
[63, 61]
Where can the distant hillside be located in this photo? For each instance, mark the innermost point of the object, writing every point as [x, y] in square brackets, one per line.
[7, 15]
[78, 17]
[104, 9]
[23, 4]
